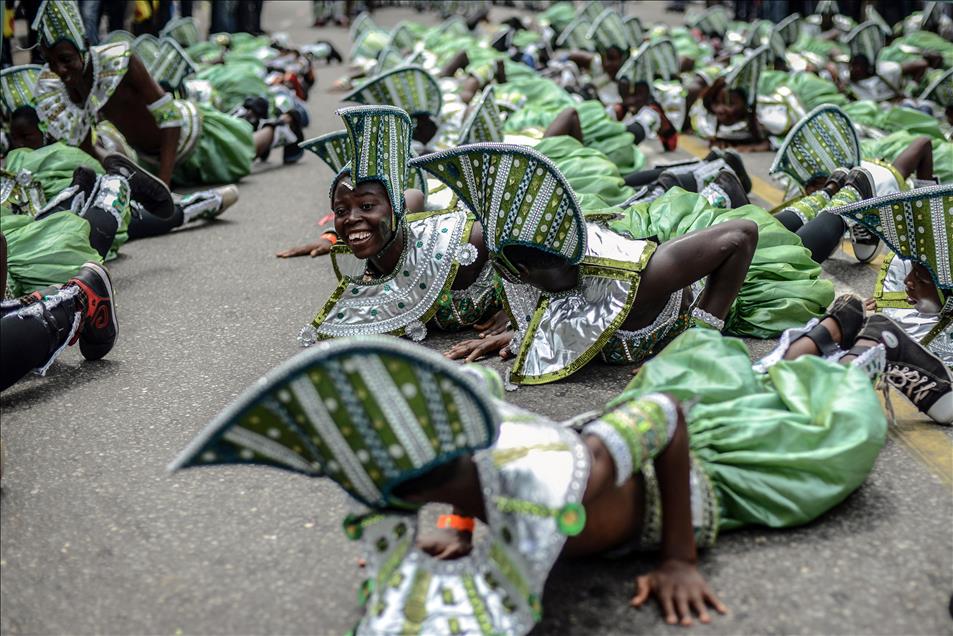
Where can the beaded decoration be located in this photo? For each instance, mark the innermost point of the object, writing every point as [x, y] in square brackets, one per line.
[519, 196]
[823, 140]
[368, 413]
[410, 88]
[17, 87]
[60, 20]
[917, 225]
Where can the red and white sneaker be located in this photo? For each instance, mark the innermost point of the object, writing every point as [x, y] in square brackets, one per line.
[100, 326]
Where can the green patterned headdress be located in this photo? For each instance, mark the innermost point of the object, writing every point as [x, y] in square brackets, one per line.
[745, 76]
[369, 413]
[865, 39]
[183, 31]
[940, 89]
[361, 25]
[592, 10]
[635, 29]
[764, 33]
[17, 87]
[917, 225]
[378, 144]
[454, 24]
[712, 22]
[484, 123]
[519, 196]
[872, 15]
[665, 62]
[332, 149]
[640, 67]
[608, 31]
[410, 88]
[823, 140]
[58, 20]
[827, 7]
[172, 65]
[146, 46]
[403, 38]
[789, 28]
[369, 44]
[388, 59]
[574, 35]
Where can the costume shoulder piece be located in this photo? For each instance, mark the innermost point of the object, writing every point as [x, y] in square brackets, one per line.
[823, 140]
[565, 331]
[400, 304]
[917, 225]
[71, 122]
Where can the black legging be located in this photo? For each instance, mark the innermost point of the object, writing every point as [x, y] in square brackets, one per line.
[642, 177]
[143, 224]
[26, 343]
[821, 235]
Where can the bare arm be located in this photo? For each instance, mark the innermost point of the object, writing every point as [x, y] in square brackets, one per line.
[150, 91]
[679, 586]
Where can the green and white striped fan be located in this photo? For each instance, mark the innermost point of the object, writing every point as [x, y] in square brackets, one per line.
[172, 65]
[17, 84]
[574, 36]
[917, 225]
[370, 413]
[823, 140]
[940, 90]
[608, 31]
[410, 88]
[182, 30]
[518, 194]
[484, 123]
[146, 46]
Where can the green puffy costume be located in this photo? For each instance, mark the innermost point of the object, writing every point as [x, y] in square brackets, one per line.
[781, 448]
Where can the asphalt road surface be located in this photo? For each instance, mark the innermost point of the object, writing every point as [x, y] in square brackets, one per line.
[97, 538]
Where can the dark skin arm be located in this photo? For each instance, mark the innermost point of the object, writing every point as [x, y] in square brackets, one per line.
[916, 158]
[150, 91]
[676, 583]
[581, 59]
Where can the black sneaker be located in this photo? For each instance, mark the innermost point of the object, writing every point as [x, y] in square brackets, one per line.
[99, 326]
[144, 187]
[737, 165]
[913, 370]
[729, 183]
[862, 181]
[836, 181]
[85, 179]
[864, 242]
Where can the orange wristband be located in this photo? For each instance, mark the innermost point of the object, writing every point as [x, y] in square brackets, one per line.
[456, 522]
[330, 237]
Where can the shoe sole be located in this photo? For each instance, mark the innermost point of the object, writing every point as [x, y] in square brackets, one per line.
[865, 253]
[104, 275]
[144, 182]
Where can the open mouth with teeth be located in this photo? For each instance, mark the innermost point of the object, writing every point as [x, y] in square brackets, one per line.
[358, 238]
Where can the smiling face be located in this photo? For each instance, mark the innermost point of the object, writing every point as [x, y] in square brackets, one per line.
[363, 216]
[67, 62]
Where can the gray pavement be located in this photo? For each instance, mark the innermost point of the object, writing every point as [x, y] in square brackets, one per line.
[95, 537]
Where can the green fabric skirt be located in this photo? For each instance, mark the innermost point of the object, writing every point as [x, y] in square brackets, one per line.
[45, 252]
[780, 448]
[53, 167]
[609, 137]
[811, 90]
[782, 289]
[868, 113]
[595, 180]
[889, 148]
[234, 81]
[223, 154]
